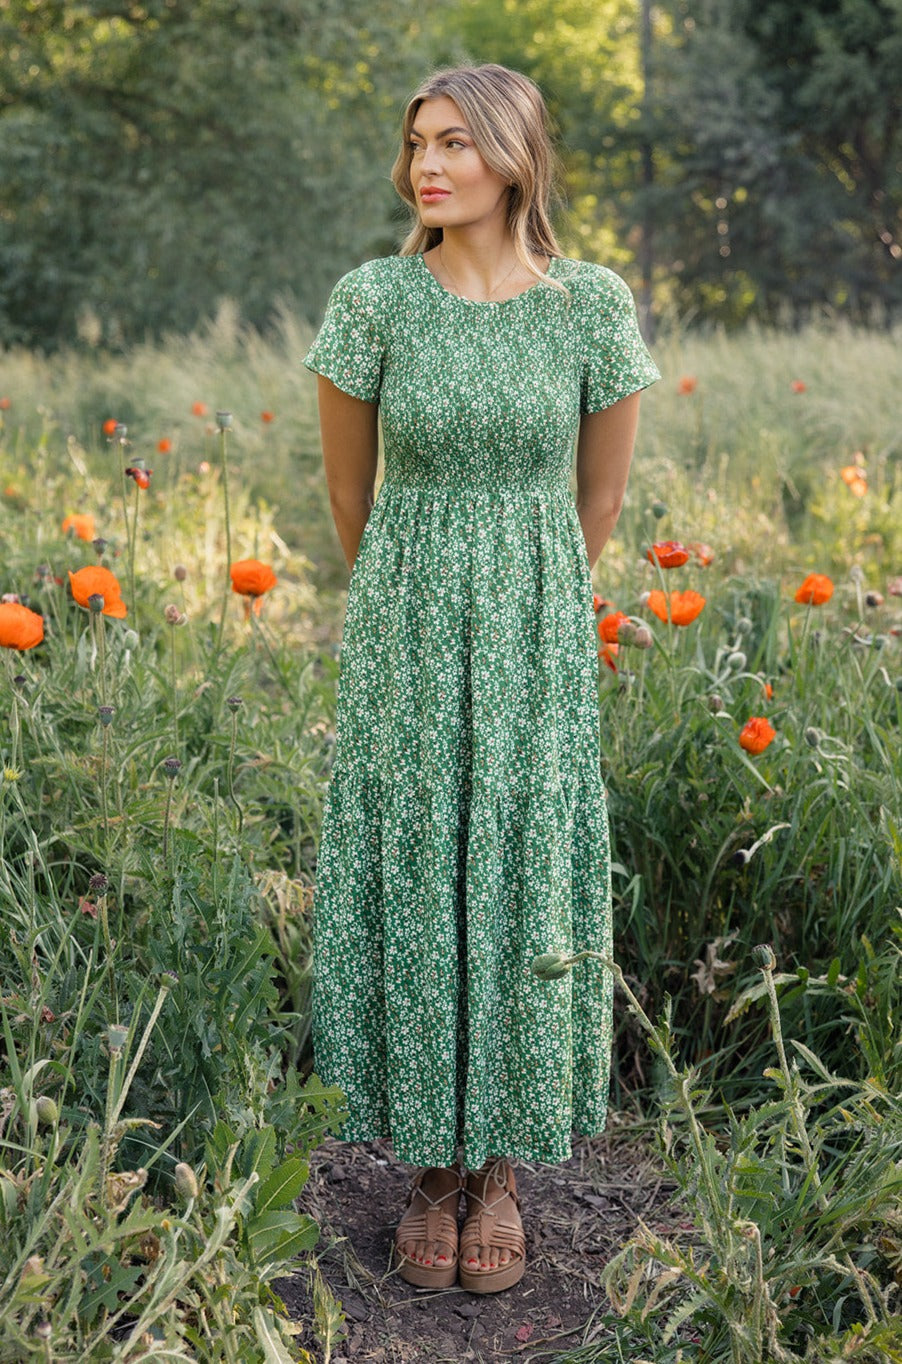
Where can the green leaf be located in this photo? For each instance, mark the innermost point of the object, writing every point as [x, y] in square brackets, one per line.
[258, 1152]
[280, 1235]
[269, 1339]
[280, 1188]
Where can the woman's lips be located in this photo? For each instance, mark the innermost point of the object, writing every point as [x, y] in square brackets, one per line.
[433, 196]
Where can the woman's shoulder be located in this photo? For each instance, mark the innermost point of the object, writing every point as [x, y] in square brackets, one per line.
[374, 278]
[590, 281]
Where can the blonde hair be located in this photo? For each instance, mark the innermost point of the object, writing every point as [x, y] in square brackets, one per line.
[506, 114]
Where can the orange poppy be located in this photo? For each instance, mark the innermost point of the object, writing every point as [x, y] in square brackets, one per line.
[199, 409]
[81, 525]
[704, 553]
[855, 479]
[608, 653]
[667, 554]
[768, 690]
[608, 627]
[5, 404]
[140, 474]
[688, 384]
[599, 603]
[109, 426]
[250, 578]
[96, 581]
[19, 627]
[815, 590]
[798, 386]
[756, 734]
[164, 446]
[683, 606]
[267, 417]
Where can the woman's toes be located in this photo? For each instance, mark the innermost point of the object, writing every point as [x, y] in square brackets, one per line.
[505, 1257]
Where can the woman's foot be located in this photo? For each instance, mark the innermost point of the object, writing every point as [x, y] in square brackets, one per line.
[426, 1237]
[492, 1245]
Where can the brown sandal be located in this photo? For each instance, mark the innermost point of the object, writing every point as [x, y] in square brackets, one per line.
[496, 1223]
[435, 1224]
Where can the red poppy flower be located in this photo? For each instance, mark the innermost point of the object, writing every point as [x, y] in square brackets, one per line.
[703, 553]
[667, 554]
[815, 590]
[81, 525]
[267, 417]
[164, 446]
[679, 607]
[199, 409]
[608, 627]
[141, 476]
[798, 386]
[756, 734]
[19, 627]
[687, 384]
[100, 582]
[608, 654]
[250, 578]
[109, 426]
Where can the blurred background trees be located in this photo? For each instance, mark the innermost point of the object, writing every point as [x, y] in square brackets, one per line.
[158, 156]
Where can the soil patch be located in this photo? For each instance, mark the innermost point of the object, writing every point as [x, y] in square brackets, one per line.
[576, 1216]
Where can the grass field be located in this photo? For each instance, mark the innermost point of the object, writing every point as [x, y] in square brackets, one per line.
[163, 777]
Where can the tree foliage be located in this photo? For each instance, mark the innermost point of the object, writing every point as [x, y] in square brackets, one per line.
[157, 155]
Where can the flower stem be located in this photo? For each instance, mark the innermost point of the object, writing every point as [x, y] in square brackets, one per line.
[228, 534]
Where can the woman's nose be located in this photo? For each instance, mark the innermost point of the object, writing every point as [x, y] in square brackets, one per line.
[431, 162]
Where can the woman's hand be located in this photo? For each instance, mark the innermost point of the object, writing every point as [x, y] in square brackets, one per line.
[350, 438]
[603, 454]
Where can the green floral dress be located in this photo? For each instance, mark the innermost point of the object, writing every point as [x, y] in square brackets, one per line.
[464, 829]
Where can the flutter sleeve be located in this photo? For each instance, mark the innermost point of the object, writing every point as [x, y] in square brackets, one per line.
[616, 361]
[349, 348]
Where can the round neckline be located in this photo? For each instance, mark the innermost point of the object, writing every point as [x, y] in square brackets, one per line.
[484, 302]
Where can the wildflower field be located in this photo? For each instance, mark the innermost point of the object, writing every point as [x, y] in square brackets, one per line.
[172, 595]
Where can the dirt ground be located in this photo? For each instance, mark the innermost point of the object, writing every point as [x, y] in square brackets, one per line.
[576, 1215]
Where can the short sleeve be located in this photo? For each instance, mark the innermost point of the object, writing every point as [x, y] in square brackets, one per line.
[616, 361]
[349, 348]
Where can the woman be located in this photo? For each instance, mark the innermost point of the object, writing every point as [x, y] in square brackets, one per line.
[465, 828]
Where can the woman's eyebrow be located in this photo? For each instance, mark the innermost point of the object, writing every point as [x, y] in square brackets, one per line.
[414, 132]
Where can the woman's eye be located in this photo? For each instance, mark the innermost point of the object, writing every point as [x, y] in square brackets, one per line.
[414, 147]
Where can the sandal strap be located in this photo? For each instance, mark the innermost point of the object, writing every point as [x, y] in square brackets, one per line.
[434, 1223]
[500, 1232]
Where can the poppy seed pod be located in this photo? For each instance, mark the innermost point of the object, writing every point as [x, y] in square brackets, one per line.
[763, 957]
[550, 966]
[185, 1181]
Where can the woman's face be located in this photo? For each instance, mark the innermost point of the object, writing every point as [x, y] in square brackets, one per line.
[453, 185]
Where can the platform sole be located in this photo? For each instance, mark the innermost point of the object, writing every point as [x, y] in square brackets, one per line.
[492, 1280]
[424, 1276]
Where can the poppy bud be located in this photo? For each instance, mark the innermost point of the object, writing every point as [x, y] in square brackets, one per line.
[180, 573]
[626, 632]
[813, 736]
[550, 966]
[46, 1111]
[223, 420]
[234, 703]
[658, 509]
[105, 715]
[737, 661]
[743, 626]
[715, 703]
[131, 639]
[642, 639]
[763, 957]
[185, 1181]
[873, 599]
[880, 641]
[99, 545]
[173, 615]
[171, 766]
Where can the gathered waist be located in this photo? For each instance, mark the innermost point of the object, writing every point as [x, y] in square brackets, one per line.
[497, 492]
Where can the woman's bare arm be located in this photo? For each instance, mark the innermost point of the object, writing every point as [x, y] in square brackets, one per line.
[350, 437]
[603, 454]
